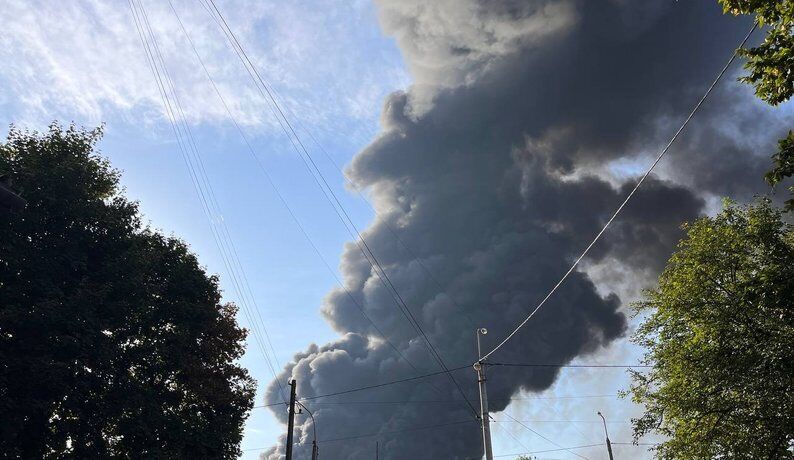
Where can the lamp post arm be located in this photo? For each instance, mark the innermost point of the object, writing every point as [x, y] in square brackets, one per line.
[606, 433]
[315, 451]
[314, 424]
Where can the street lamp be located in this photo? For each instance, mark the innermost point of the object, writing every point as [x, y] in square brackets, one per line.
[479, 367]
[315, 452]
[609, 445]
[480, 331]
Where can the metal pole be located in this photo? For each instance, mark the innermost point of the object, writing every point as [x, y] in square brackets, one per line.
[609, 444]
[315, 450]
[485, 420]
[477, 333]
[291, 423]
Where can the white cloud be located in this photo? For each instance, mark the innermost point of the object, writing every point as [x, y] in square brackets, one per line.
[84, 61]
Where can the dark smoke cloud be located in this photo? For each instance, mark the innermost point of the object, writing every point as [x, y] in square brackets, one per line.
[496, 170]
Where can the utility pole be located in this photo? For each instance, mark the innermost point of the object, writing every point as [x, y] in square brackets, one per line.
[291, 423]
[377, 450]
[485, 421]
[609, 444]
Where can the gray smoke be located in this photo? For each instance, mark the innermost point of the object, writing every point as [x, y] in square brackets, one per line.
[496, 168]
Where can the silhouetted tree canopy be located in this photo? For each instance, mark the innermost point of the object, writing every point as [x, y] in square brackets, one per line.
[719, 332]
[113, 340]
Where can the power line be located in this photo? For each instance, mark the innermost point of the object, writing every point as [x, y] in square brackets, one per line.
[223, 238]
[454, 401]
[212, 198]
[637, 444]
[344, 216]
[542, 436]
[545, 398]
[192, 158]
[586, 446]
[235, 261]
[446, 401]
[288, 130]
[628, 197]
[461, 422]
[622, 422]
[515, 438]
[554, 409]
[550, 450]
[432, 374]
[280, 196]
[380, 433]
[418, 428]
[574, 366]
[378, 385]
[394, 233]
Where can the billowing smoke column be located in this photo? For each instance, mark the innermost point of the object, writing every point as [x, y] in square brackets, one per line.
[496, 168]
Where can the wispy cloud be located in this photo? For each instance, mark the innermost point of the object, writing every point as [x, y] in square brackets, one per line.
[84, 61]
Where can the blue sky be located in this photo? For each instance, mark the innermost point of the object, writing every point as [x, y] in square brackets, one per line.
[83, 62]
[331, 64]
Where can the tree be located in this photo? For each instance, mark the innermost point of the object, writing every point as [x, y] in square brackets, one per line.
[113, 340]
[783, 166]
[771, 67]
[718, 331]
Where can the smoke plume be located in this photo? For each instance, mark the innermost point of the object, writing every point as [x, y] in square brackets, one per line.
[527, 124]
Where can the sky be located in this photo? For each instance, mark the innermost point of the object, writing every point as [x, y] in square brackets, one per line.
[491, 137]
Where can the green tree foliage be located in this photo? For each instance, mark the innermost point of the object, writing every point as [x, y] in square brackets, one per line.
[771, 64]
[783, 166]
[771, 67]
[113, 340]
[718, 331]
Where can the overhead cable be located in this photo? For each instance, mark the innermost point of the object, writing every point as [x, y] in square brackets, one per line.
[574, 366]
[330, 195]
[192, 158]
[628, 197]
[380, 433]
[528, 428]
[278, 193]
[378, 385]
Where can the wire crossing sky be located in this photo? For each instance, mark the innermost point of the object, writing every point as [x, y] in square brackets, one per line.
[328, 192]
[628, 197]
[450, 141]
[203, 187]
[485, 139]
